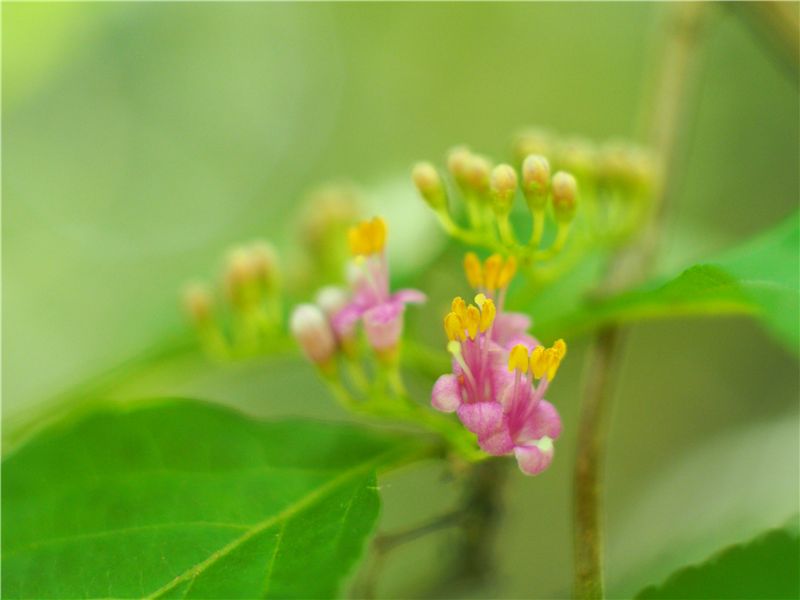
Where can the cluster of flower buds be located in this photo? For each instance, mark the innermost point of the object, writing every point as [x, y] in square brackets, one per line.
[489, 192]
[495, 364]
[331, 328]
[252, 291]
[327, 213]
[616, 179]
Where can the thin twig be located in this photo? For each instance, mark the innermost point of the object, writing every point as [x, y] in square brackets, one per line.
[628, 267]
[384, 543]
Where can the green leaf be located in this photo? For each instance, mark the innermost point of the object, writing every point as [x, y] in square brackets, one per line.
[182, 498]
[759, 278]
[765, 567]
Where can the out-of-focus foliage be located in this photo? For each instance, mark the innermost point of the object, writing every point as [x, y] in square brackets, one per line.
[184, 498]
[759, 278]
[765, 567]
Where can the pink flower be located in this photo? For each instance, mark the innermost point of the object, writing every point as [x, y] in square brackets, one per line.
[372, 303]
[495, 363]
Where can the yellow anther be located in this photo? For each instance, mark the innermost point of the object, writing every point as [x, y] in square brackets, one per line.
[547, 361]
[473, 321]
[553, 362]
[518, 359]
[459, 307]
[488, 311]
[507, 272]
[454, 327]
[368, 237]
[356, 241]
[538, 362]
[377, 233]
[491, 271]
[472, 267]
[480, 299]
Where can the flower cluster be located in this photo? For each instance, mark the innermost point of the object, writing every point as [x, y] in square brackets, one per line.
[332, 323]
[251, 313]
[495, 364]
[488, 193]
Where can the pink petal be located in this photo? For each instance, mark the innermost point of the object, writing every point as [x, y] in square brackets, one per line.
[497, 443]
[532, 460]
[542, 421]
[409, 297]
[446, 395]
[344, 322]
[383, 325]
[483, 418]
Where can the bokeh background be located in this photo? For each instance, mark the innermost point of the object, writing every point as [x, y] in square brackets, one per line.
[143, 140]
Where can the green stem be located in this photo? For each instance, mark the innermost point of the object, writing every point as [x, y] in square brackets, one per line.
[628, 267]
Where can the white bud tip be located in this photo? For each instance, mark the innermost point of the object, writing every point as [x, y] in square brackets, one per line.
[312, 331]
[331, 299]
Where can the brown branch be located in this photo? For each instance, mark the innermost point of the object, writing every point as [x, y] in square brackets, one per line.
[628, 267]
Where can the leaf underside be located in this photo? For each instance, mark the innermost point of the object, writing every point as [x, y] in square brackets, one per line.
[186, 499]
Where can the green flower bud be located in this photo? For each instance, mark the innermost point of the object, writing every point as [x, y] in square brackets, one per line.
[478, 173]
[458, 160]
[503, 185]
[579, 156]
[532, 141]
[564, 189]
[536, 181]
[197, 302]
[429, 185]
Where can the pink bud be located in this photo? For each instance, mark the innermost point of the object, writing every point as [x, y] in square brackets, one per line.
[312, 331]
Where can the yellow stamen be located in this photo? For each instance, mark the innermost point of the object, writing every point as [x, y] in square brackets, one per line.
[377, 232]
[518, 359]
[507, 272]
[488, 312]
[472, 321]
[368, 237]
[454, 327]
[546, 361]
[491, 271]
[538, 362]
[472, 267]
[459, 307]
[553, 362]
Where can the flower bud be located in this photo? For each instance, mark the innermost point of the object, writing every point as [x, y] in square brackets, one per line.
[532, 141]
[429, 185]
[503, 184]
[331, 299]
[579, 156]
[536, 181]
[264, 263]
[565, 196]
[239, 274]
[458, 160]
[312, 331]
[479, 170]
[197, 302]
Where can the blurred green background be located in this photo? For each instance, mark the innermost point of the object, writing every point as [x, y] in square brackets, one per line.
[142, 140]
